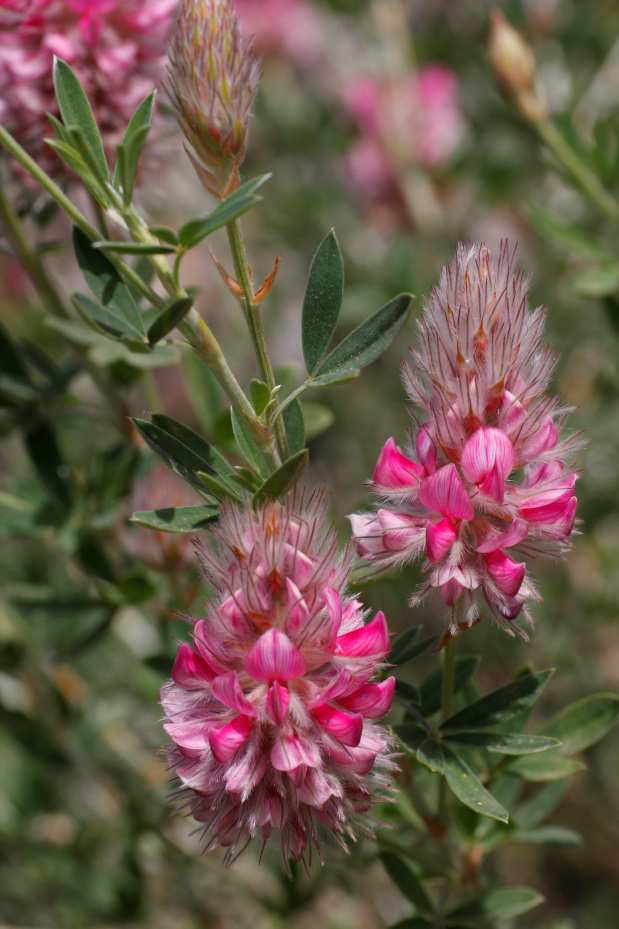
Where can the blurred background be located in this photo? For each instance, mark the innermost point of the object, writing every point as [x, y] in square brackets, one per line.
[384, 120]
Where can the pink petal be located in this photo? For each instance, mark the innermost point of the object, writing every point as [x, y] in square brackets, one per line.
[451, 591]
[227, 689]
[426, 450]
[190, 670]
[290, 751]
[394, 470]
[317, 788]
[444, 493]
[368, 535]
[487, 460]
[562, 527]
[401, 531]
[495, 539]
[372, 639]
[543, 440]
[341, 684]
[226, 740]
[548, 506]
[207, 647]
[274, 658]
[347, 728]
[278, 700]
[512, 413]
[359, 760]
[439, 539]
[506, 573]
[334, 608]
[373, 700]
[298, 612]
[191, 735]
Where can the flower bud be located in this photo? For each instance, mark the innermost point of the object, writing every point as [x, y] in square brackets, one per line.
[212, 83]
[514, 66]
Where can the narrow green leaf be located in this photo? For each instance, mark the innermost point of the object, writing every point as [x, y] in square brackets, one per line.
[406, 877]
[12, 363]
[283, 479]
[177, 519]
[203, 391]
[407, 692]
[496, 905]
[502, 704]
[169, 318]
[133, 248]
[469, 790]
[368, 341]
[230, 209]
[408, 645]
[585, 722]
[431, 688]
[248, 446]
[322, 301]
[44, 451]
[549, 766]
[260, 395]
[502, 743]
[165, 234]
[429, 753]
[540, 805]
[548, 835]
[182, 449]
[76, 111]
[131, 146]
[339, 376]
[220, 488]
[106, 319]
[294, 423]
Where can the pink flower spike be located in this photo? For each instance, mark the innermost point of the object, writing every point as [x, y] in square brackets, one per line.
[227, 690]
[444, 493]
[487, 460]
[394, 470]
[278, 701]
[372, 700]
[507, 574]
[274, 658]
[190, 670]
[426, 450]
[291, 751]
[439, 539]
[372, 639]
[226, 740]
[345, 727]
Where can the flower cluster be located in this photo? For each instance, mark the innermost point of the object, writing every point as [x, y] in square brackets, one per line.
[415, 118]
[487, 484]
[212, 83]
[272, 711]
[116, 48]
[290, 28]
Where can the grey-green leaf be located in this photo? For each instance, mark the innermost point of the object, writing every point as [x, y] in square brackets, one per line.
[503, 743]
[496, 905]
[106, 319]
[406, 878]
[502, 704]
[279, 483]
[294, 424]
[76, 110]
[130, 148]
[169, 318]
[248, 446]
[230, 209]
[549, 766]
[177, 519]
[585, 722]
[469, 790]
[322, 301]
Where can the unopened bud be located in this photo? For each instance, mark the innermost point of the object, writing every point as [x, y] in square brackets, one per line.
[514, 66]
[212, 82]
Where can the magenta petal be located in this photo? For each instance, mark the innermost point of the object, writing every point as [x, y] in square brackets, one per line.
[290, 751]
[372, 639]
[190, 670]
[487, 460]
[334, 608]
[227, 690]
[543, 440]
[547, 506]
[358, 760]
[368, 535]
[347, 728]
[226, 740]
[277, 702]
[444, 493]
[495, 539]
[274, 658]
[371, 700]
[401, 531]
[426, 450]
[506, 573]
[394, 470]
[298, 612]
[191, 735]
[439, 539]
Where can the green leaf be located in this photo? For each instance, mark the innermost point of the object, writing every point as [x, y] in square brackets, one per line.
[132, 248]
[12, 363]
[502, 704]
[106, 319]
[585, 722]
[76, 112]
[248, 446]
[549, 835]
[44, 451]
[221, 488]
[177, 519]
[339, 376]
[322, 301]
[105, 283]
[496, 905]
[429, 753]
[543, 802]
[408, 645]
[228, 210]
[469, 790]
[567, 235]
[180, 447]
[203, 391]
[169, 318]
[260, 395]
[503, 744]
[407, 692]
[318, 418]
[550, 766]
[285, 476]
[600, 281]
[294, 424]
[130, 148]
[406, 878]
[430, 690]
[165, 234]
[365, 343]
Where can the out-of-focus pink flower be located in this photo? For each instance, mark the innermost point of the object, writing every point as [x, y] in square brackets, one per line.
[161, 489]
[410, 119]
[116, 47]
[272, 709]
[290, 28]
[486, 485]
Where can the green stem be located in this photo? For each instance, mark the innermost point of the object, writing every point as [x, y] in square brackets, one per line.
[447, 694]
[253, 318]
[586, 179]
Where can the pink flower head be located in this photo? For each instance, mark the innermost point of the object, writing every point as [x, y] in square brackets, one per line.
[288, 28]
[213, 79]
[272, 709]
[487, 484]
[116, 47]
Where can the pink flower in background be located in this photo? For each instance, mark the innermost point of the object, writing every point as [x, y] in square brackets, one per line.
[273, 708]
[486, 485]
[291, 28]
[116, 47]
[411, 119]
